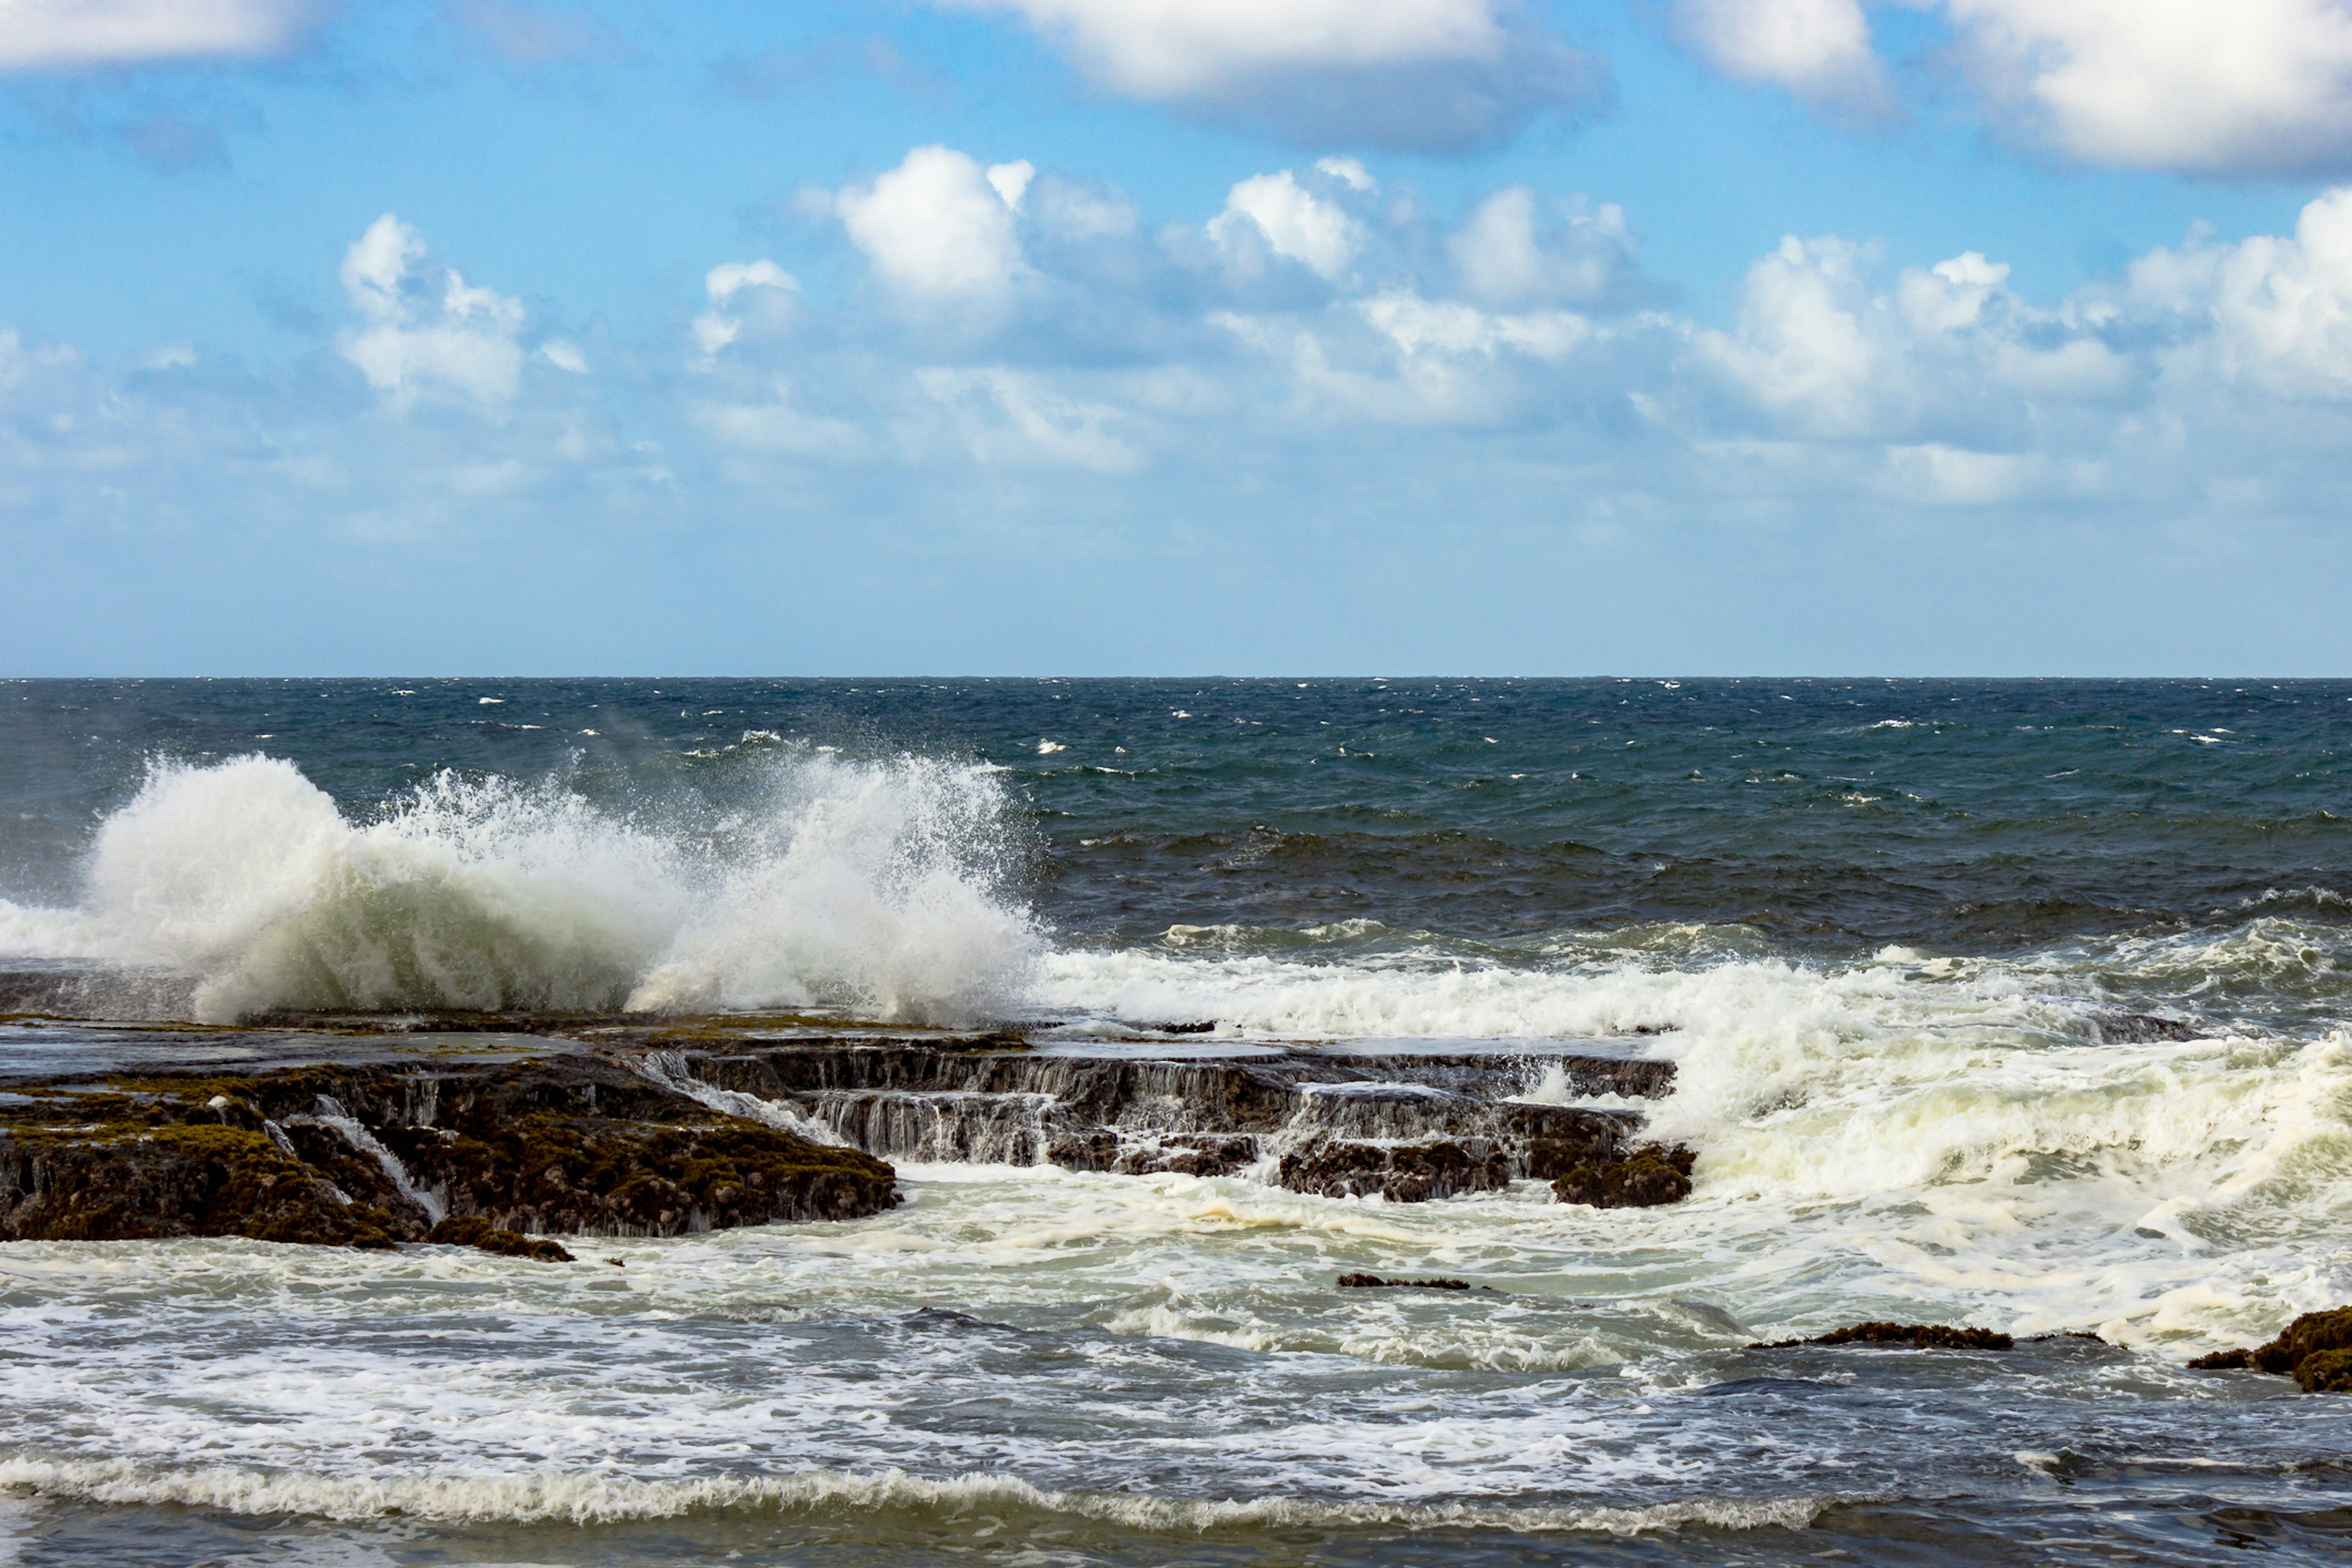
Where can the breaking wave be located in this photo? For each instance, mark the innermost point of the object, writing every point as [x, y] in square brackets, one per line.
[587, 1500]
[876, 887]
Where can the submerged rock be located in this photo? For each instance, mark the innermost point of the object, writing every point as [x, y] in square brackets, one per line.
[2315, 1350]
[1374, 1283]
[1918, 1336]
[1652, 1175]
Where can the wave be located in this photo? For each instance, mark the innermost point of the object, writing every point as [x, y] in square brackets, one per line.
[878, 887]
[572, 1497]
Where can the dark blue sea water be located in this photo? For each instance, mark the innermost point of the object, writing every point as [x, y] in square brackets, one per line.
[2015, 1004]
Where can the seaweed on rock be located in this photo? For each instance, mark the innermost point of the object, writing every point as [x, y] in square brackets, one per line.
[2315, 1350]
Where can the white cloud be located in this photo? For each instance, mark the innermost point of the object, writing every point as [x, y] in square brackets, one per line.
[1818, 49]
[1501, 259]
[51, 35]
[2272, 312]
[936, 229]
[2245, 87]
[1178, 49]
[423, 327]
[1011, 181]
[1004, 415]
[1348, 172]
[1292, 221]
[1427, 74]
[774, 290]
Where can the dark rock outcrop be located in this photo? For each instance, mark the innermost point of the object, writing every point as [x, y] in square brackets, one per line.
[472, 1230]
[2315, 1350]
[1917, 1336]
[379, 1154]
[1645, 1177]
[1409, 1128]
[1374, 1283]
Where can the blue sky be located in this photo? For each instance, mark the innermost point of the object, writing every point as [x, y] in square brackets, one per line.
[1105, 336]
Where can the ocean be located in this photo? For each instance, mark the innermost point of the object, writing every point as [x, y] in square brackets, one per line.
[2021, 1005]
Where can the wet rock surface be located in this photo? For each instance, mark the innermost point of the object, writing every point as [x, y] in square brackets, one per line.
[1915, 1336]
[2315, 1350]
[1409, 1128]
[1374, 1283]
[372, 1131]
[1644, 1177]
[378, 1154]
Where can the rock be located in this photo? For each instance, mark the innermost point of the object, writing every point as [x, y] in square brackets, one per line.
[1920, 1336]
[2315, 1350]
[473, 1230]
[1374, 1283]
[351, 1155]
[1401, 1173]
[1190, 1154]
[2325, 1372]
[112, 1181]
[1650, 1175]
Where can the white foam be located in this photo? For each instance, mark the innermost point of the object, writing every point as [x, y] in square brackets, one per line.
[872, 887]
[591, 1499]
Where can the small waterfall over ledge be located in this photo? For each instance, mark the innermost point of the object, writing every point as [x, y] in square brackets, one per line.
[1407, 1127]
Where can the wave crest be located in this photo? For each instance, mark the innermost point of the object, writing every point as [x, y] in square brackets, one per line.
[875, 887]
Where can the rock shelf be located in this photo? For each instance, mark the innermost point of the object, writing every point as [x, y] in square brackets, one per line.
[379, 1133]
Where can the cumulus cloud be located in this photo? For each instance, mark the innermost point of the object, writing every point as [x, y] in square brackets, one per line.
[1818, 49]
[1427, 75]
[757, 290]
[66, 34]
[1274, 211]
[2251, 86]
[424, 329]
[1512, 253]
[939, 229]
[1383, 349]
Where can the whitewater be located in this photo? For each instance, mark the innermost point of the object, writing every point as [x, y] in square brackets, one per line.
[2024, 1007]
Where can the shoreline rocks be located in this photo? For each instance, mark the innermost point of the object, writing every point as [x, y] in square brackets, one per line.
[2315, 1350]
[378, 1155]
[1912, 1336]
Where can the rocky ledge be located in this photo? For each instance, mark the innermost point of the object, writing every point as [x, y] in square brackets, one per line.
[1407, 1127]
[492, 1132]
[373, 1155]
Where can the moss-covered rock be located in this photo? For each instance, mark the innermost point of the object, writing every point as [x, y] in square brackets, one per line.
[1916, 1336]
[129, 1181]
[472, 1230]
[372, 1155]
[1652, 1175]
[2315, 1350]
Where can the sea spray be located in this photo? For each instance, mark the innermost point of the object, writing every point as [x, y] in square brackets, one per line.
[877, 887]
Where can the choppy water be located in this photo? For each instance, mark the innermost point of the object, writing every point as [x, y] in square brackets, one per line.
[1897, 934]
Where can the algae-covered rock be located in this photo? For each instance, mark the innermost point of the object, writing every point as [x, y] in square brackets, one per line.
[1917, 1336]
[373, 1155]
[1401, 1173]
[2325, 1372]
[1650, 1175]
[2315, 1350]
[125, 1181]
[472, 1230]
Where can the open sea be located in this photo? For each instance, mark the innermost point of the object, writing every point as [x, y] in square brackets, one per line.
[2025, 1006]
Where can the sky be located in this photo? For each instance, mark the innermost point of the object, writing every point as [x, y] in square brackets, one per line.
[1089, 337]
